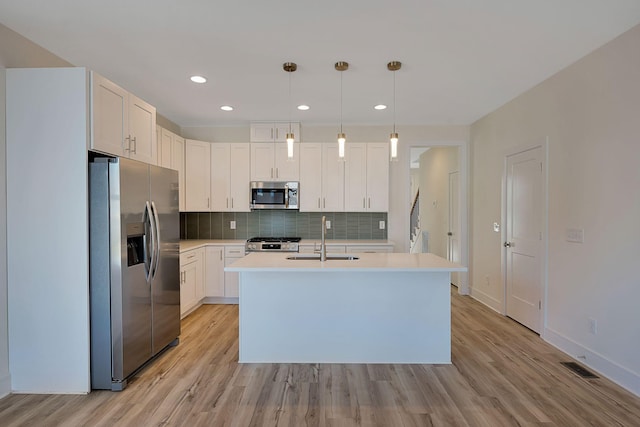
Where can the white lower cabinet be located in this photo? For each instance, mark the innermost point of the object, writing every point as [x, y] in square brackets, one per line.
[331, 249]
[191, 280]
[231, 280]
[369, 248]
[214, 271]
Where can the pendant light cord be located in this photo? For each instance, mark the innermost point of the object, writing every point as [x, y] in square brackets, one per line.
[290, 102]
[341, 101]
[394, 102]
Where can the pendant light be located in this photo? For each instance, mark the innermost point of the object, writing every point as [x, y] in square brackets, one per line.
[341, 66]
[290, 67]
[393, 138]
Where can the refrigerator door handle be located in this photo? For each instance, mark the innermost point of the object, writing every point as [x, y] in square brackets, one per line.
[152, 227]
[156, 224]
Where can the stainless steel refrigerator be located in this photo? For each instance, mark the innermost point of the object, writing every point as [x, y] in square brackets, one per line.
[134, 267]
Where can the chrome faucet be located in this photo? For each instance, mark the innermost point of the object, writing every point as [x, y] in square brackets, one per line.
[323, 243]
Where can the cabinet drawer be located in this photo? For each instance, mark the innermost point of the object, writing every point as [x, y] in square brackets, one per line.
[234, 251]
[191, 256]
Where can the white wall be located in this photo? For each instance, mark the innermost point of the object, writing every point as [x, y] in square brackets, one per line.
[5, 378]
[435, 165]
[591, 114]
[15, 51]
[399, 172]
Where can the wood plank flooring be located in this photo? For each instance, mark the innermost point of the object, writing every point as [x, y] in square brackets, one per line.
[502, 375]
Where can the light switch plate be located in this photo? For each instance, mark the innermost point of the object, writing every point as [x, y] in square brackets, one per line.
[496, 227]
[575, 235]
[232, 225]
[328, 225]
[381, 225]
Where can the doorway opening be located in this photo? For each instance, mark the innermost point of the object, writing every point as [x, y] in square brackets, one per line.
[437, 212]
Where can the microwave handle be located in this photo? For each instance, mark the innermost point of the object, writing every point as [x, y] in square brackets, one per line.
[286, 196]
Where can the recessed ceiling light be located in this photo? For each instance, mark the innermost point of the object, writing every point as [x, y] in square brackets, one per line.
[380, 107]
[198, 79]
[303, 107]
[226, 108]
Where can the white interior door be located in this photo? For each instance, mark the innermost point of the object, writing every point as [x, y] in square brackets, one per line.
[453, 244]
[523, 245]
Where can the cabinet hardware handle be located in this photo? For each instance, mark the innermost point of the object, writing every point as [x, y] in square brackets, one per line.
[232, 203]
[128, 139]
[277, 173]
[208, 203]
[364, 203]
[271, 133]
[220, 255]
[135, 145]
[277, 134]
[318, 202]
[324, 202]
[271, 172]
[227, 202]
[369, 202]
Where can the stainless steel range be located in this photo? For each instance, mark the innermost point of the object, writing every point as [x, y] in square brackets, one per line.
[272, 244]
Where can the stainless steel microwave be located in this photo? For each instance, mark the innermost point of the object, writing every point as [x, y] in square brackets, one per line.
[274, 195]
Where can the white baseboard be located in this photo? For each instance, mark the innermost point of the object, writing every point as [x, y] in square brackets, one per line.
[487, 300]
[605, 367]
[5, 385]
[220, 300]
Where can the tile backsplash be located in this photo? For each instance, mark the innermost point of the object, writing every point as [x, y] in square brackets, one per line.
[272, 223]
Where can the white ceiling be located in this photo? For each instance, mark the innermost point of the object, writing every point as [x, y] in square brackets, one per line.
[461, 58]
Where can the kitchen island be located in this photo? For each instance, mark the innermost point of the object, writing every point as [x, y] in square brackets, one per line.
[378, 308]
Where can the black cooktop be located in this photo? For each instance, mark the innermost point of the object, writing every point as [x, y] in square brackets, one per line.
[274, 239]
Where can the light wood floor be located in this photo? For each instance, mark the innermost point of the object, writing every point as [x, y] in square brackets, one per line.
[502, 375]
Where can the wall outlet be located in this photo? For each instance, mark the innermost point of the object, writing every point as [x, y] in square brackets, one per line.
[328, 225]
[593, 326]
[381, 225]
[232, 225]
[496, 227]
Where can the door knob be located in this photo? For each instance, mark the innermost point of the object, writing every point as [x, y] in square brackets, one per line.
[508, 244]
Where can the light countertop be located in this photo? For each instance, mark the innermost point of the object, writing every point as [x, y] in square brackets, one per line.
[370, 262]
[186, 245]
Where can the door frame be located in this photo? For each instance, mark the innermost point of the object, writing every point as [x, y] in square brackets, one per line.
[463, 214]
[541, 142]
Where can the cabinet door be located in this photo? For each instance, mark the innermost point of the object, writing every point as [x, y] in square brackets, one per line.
[262, 155]
[189, 278]
[214, 272]
[142, 130]
[286, 169]
[220, 172]
[177, 163]
[311, 173]
[109, 117]
[239, 177]
[355, 177]
[197, 175]
[332, 179]
[262, 132]
[377, 177]
[165, 148]
[280, 131]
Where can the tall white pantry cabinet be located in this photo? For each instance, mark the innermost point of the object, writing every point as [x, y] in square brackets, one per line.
[49, 117]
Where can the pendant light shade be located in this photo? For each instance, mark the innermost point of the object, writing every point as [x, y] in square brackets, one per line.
[290, 67]
[394, 66]
[341, 66]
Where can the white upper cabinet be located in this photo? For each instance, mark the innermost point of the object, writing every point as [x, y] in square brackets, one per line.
[197, 176]
[322, 182]
[366, 177]
[171, 155]
[273, 131]
[230, 177]
[269, 162]
[122, 124]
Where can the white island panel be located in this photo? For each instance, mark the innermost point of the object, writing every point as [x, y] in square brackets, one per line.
[342, 315]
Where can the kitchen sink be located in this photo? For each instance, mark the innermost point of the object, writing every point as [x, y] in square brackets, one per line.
[316, 257]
